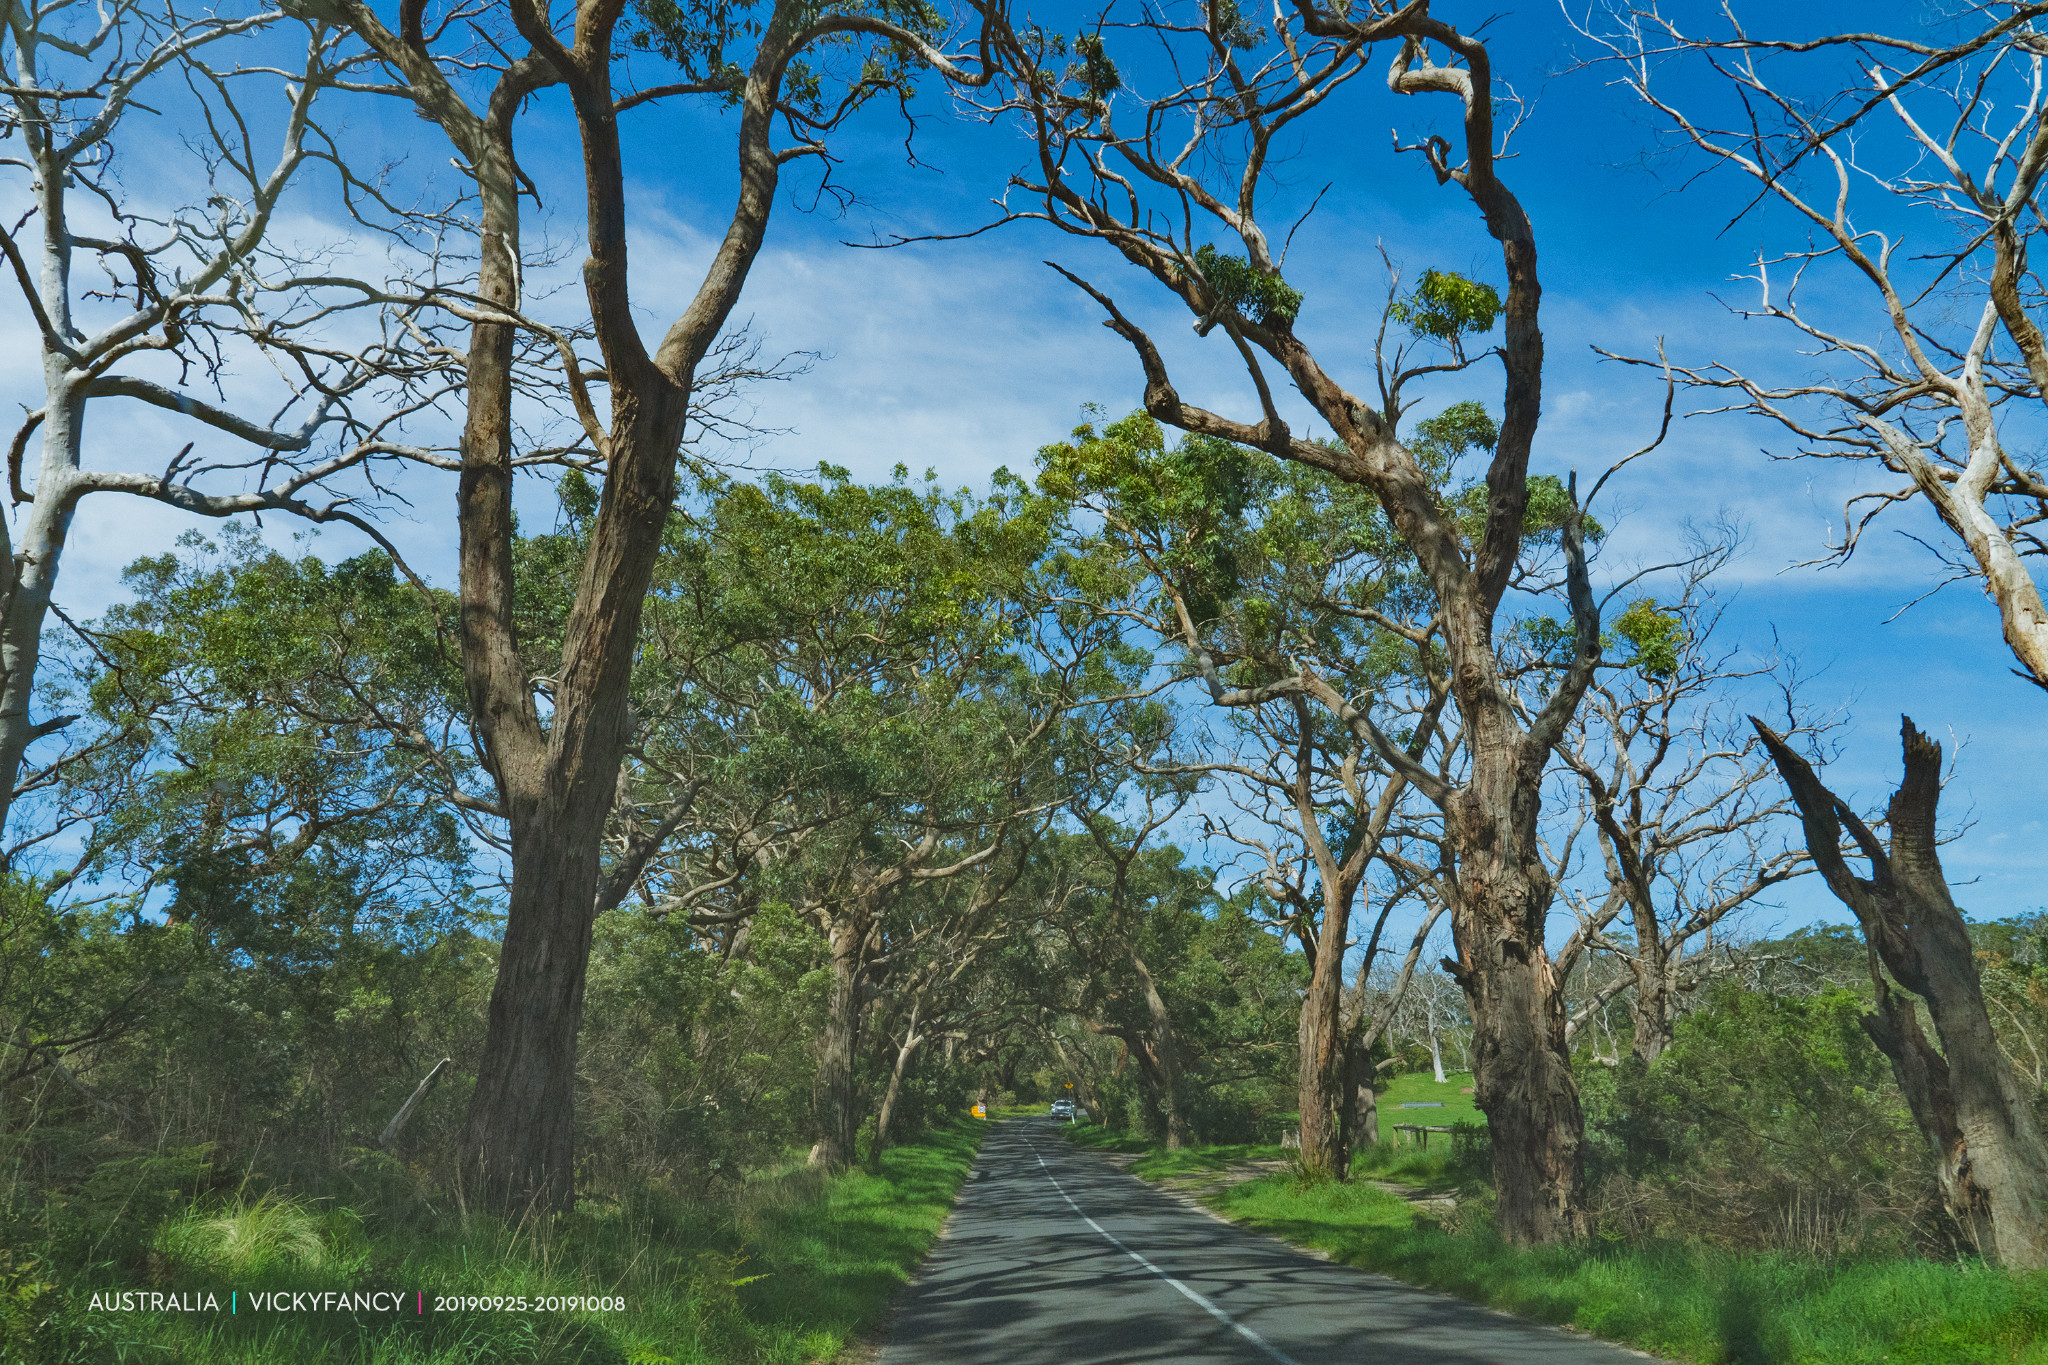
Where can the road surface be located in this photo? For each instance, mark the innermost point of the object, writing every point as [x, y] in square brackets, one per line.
[1055, 1256]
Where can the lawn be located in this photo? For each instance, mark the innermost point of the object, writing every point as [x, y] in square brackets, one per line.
[789, 1267]
[1421, 1088]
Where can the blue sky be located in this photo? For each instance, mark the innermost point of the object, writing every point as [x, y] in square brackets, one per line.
[970, 355]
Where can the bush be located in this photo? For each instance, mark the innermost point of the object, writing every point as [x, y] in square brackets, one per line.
[1771, 1123]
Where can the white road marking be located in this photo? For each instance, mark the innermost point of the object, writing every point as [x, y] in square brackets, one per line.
[1195, 1297]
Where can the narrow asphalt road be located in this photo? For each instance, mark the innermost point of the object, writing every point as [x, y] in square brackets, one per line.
[1055, 1256]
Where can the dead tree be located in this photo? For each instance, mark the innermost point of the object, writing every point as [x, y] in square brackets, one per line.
[1947, 141]
[1966, 1098]
[1671, 781]
[139, 305]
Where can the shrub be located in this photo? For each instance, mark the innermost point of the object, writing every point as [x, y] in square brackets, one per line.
[1770, 1123]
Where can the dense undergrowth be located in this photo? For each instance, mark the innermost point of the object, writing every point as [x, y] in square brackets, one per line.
[788, 1266]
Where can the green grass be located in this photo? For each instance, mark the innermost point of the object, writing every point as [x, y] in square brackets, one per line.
[1690, 1303]
[1156, 1163]
[1420, 1087]
[1107, 1139]
[790, 1268]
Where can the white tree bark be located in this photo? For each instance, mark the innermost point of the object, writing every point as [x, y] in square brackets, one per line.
[208, 286]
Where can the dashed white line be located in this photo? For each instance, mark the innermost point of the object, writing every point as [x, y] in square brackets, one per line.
[1198, 1299]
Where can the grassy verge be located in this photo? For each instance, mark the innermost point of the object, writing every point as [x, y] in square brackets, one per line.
[1686, 1302]
[1156, 1163]
[790, 1268]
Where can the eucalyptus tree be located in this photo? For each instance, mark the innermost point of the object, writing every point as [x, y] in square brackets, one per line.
[1126, 881]
[263, 709]
[163, 292]
[1177, 183]
[934, 982]
[263, 827]
[555, 746]
[1905, 170]
[858, 694]
[1140, 981]
[1287, 598]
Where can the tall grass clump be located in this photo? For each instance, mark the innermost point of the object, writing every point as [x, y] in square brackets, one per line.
[251, 1236]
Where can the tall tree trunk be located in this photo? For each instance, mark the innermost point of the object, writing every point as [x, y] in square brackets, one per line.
[1501, 888]
[1977, 1117]
[556, 780]
[1323, 1073]
[1164, 1055]
[1651, 1011]
[1521, 1067]
[912, 1041]
[1652, 1007]
[520, 1137]
[835, 1098]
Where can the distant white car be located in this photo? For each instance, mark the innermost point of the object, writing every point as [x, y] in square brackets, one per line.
[1063, 1109]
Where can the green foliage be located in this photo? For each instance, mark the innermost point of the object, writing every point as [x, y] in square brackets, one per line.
[1544, 517]
[1770, 1122]
[1682, 1298]
[708, 41]
[1265, 298]
[579, 496]
[1689, 1302]
[1445, 306]
[1438, 442]
[26, 1301]
[1095, 72]
[1654, 638]
[697, 1063]
[1230, 988]
[74, 979]
[265, 715]
[1184, 502]
[696, 35]
[1227, 21]
[2012, 956]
